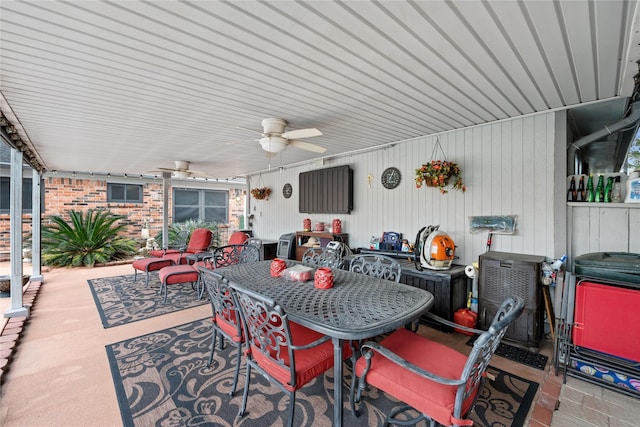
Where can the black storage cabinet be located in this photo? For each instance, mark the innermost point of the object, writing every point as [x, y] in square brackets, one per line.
[504, 274]
[449, 287]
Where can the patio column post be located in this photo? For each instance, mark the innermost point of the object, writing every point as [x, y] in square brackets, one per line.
[16, 308]
[165, 209]
[36, 221]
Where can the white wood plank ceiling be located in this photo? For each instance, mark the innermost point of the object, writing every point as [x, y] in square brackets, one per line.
[129, 86]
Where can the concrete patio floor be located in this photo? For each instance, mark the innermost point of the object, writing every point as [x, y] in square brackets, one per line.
[58, 373]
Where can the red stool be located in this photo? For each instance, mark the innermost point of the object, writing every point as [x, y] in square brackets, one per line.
[177, 274]
[149, 264]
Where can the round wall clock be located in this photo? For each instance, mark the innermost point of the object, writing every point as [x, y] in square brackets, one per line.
[391, 178]
[287, 190]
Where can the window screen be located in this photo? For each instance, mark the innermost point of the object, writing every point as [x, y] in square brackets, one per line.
[124, 193]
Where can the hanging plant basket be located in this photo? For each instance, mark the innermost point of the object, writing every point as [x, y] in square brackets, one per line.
[439, 173]
[261, 193]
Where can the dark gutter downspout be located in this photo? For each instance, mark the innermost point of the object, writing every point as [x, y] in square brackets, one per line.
[630, 120]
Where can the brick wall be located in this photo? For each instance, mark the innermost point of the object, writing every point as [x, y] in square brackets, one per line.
[64, 194]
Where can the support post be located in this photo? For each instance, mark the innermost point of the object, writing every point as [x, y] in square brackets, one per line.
[36, 223]
[16, 308]
[166, 177]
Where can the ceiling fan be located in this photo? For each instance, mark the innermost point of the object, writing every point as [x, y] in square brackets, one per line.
[275, 139]
[182, 170]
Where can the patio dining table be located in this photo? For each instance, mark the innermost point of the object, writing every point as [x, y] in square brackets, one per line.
[356, 307]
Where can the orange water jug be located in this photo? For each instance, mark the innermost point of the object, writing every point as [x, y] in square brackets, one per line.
[465, 317]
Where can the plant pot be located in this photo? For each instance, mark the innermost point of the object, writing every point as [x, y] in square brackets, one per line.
[433, 182]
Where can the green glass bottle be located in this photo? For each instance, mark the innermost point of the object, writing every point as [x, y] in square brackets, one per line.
[590, 194]
[607, 190]
[599, 196]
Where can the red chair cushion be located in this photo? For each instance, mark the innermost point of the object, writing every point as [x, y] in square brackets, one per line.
[177, 257]
[238, 238]
[431, 398]
[162, 252]
[151, 264]
[199, 241]
[310, 363]
[229, 327]
[178, 274]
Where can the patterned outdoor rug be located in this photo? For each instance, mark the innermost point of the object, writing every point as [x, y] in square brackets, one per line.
[120, 300]
[162, 379]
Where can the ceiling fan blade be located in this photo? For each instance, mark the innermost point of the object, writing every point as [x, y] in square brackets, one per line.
[194, 172]
[165, 169]
[307, 146]
[302, 133]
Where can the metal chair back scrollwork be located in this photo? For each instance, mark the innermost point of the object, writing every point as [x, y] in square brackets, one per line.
[378, 266]
[322, 257]
[254, 241]
[227, 255]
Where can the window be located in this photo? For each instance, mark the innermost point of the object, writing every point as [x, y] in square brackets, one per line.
[207, 205]
[124, 193]
[5, 198]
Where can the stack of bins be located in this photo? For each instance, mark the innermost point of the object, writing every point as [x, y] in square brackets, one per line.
[606, 320]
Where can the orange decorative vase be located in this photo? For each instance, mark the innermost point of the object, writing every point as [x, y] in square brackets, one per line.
[323, 279]
[277, 266]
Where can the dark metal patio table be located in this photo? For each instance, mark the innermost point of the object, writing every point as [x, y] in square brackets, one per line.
[357, 307]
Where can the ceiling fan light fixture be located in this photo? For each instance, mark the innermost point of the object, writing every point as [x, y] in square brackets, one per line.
[181, 174]
[273, 144]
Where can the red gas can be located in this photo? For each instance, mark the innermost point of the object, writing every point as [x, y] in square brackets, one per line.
[465, 317]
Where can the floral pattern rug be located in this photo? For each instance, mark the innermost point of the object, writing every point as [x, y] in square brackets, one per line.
[162, 379]
[120, 300]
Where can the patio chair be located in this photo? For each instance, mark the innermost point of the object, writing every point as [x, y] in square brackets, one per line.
[287, 354]
[227, 255]
[199, 242]
[437, 381]
[322, 257]
[178, 245]
[238, 238]
[379, 266]
[226, 321]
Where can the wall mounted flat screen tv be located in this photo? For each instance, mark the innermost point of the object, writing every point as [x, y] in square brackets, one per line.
[328, 190]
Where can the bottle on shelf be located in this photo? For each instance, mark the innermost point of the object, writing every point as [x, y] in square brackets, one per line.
[590, 193]
[572, 193]
[607, 190]
[599, 190]
[633, 188]
[580, 196]
[616, 191]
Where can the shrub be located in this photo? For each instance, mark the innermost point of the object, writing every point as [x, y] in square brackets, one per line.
[85, 239]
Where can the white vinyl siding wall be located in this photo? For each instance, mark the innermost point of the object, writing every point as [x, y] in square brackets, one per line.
[508, 168]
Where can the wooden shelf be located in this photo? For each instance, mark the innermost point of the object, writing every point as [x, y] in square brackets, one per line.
[302, 237]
